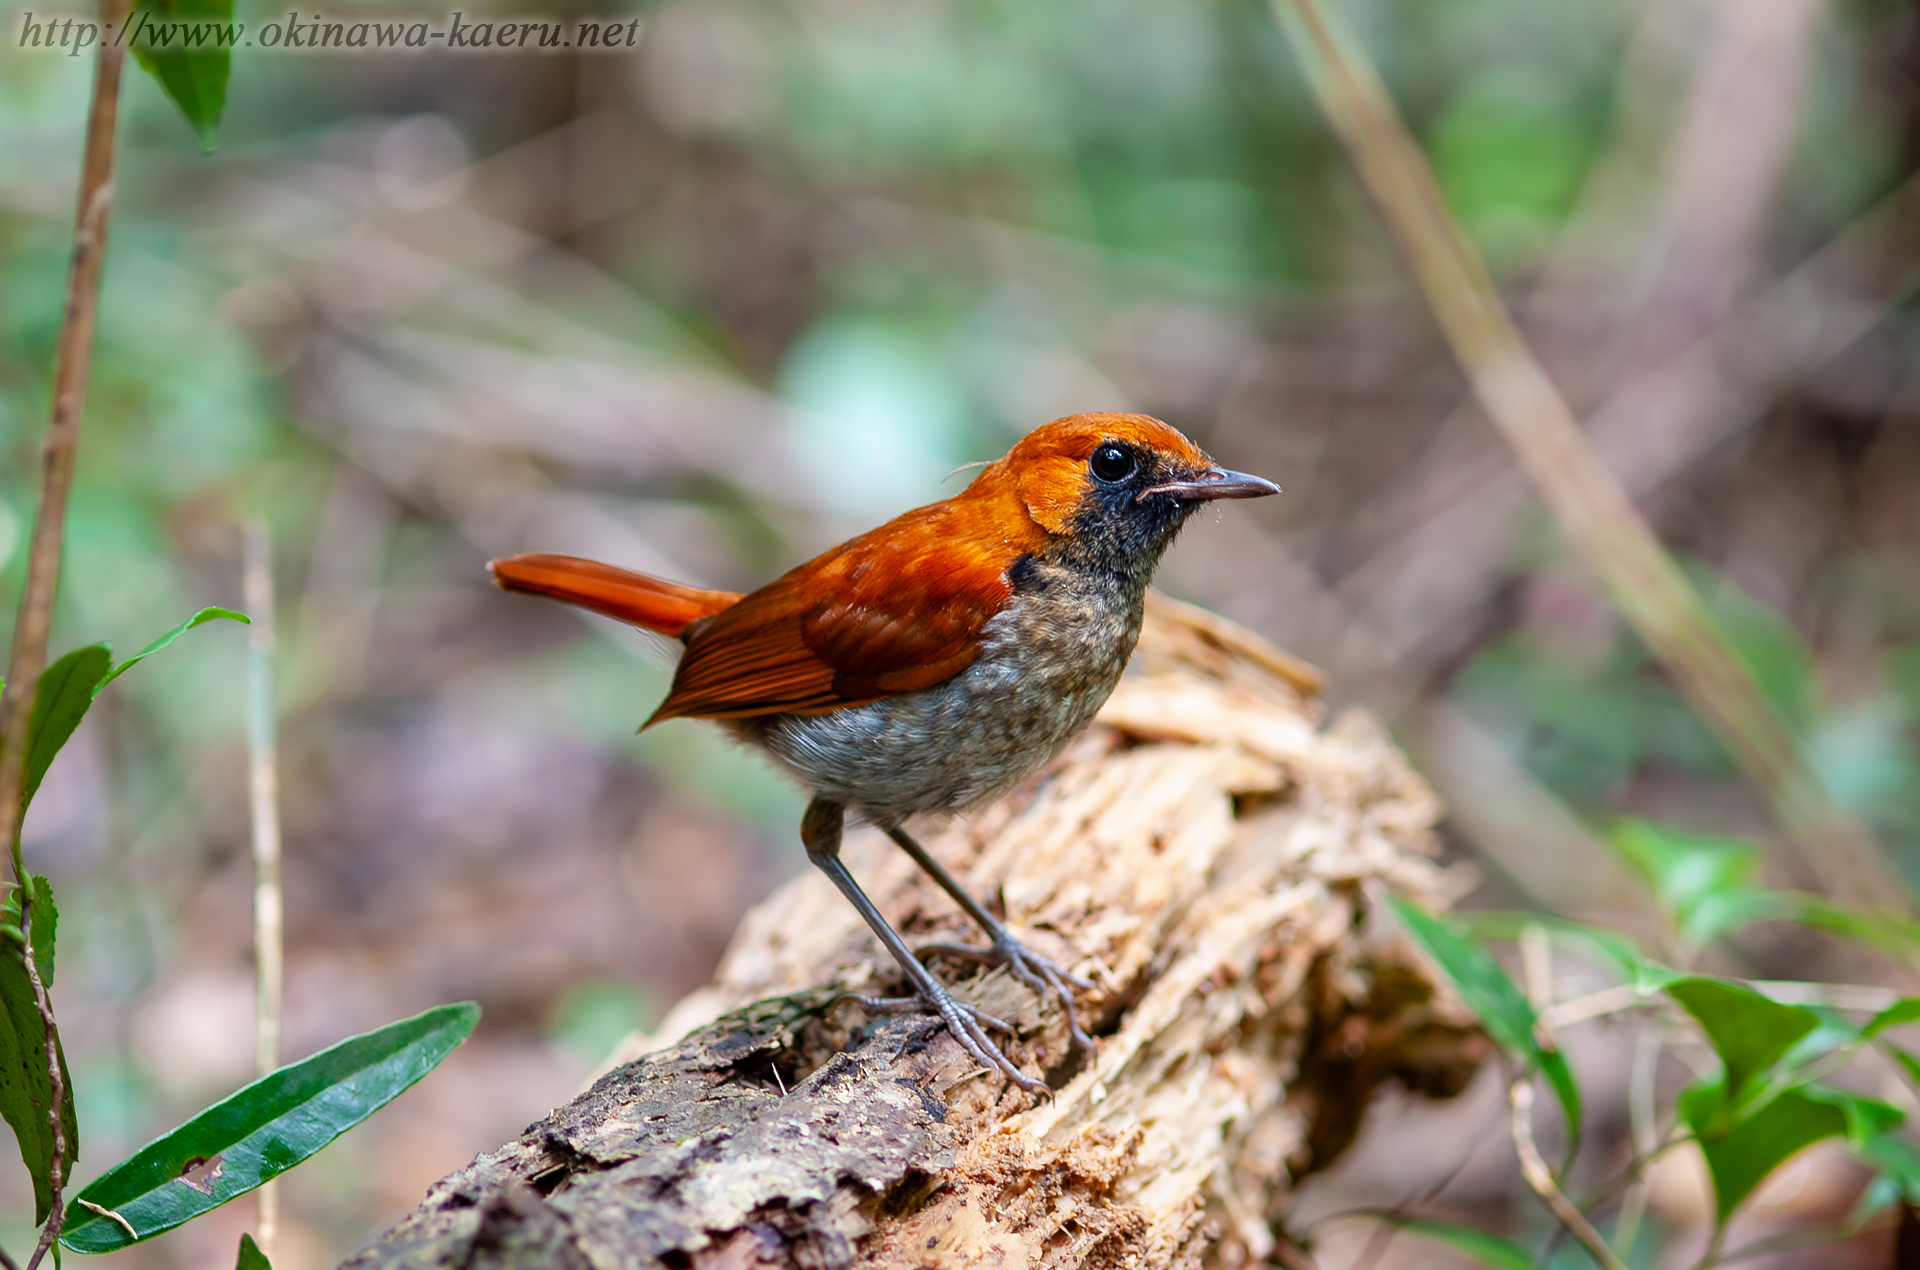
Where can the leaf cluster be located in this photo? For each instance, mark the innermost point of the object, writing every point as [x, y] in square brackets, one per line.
[1770, 1096]
[230, 1148]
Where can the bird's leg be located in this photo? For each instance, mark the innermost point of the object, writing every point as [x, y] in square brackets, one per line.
[820, 830]
[1029, 967]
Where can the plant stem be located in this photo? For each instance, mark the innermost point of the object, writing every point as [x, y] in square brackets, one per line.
[1587, 499]
[1642, 1119]
[72, 361]
[264, 788]
[1534, 1168]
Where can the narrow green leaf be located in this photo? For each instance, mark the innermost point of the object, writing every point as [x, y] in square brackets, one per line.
[1748, 1031]
[60, 701]
[1739, 1157]
[1493, 996]
[1612, 947]
[1691, 874]
[1892, 933]
[263, 1130]
[190, 61]
[46, 925]
[46, 928]
[198, 619]
[26, 1091]
[251, 1258]
[1903, 1011]
[1488, 1250]
[1908, 1063]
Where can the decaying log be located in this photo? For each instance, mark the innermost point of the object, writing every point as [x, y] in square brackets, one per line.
[1208, 853]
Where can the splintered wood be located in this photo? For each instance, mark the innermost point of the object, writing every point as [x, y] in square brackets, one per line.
[1208, 854]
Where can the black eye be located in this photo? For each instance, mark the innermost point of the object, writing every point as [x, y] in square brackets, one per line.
[1112, 463]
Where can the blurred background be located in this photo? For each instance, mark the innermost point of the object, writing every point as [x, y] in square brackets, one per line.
[706, 307]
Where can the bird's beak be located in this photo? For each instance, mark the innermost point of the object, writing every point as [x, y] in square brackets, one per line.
[1212, 484]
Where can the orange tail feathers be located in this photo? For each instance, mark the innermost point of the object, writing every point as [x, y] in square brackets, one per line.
[666, 607]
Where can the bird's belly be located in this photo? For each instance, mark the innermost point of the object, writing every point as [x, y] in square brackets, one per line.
[971, 739]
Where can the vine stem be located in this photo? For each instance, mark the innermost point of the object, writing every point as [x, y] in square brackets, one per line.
[73, 360]
[1534, 1168]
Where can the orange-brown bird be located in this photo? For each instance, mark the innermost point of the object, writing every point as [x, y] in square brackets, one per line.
[936, 662]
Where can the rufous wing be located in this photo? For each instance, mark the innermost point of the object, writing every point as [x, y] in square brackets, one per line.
[898, 609]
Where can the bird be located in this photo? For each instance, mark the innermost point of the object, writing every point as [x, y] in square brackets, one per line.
[933, 664]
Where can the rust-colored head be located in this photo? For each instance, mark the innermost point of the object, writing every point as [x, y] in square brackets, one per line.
[1113, 473]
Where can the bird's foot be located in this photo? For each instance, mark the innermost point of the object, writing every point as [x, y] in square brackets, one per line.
[967, 1023]
[1029, 967]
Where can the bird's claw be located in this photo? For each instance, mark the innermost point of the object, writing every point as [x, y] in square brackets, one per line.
[920, 1005]
[967, 1023]
[1030, 968]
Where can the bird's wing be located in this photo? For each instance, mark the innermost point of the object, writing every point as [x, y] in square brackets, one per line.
[897, 609]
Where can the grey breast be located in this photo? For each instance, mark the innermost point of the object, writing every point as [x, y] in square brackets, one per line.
[1050, 659]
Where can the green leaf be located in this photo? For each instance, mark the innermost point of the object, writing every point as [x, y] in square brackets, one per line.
[263, 1130]
[1748, 1031]
[1691, 874]
[251, 1258]
[46, 924]
[1867, 1118]
[1898, 1163]
[198, 619]
[1724, 912]
[1908, 1063]
[179, 44]
[1893, 933]
[26, 1090]
[1905, 1010]
[1493, 996]
[1739, 1157]
[60, 700]
[1610, 946]
[67, 688]
[1489, 1250]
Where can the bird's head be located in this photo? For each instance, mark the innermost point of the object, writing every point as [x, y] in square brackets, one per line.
[1116, 485]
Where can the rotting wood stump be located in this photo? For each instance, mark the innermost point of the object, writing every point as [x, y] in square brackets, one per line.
[1207, 853]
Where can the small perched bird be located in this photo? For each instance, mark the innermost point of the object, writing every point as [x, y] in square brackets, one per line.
[934, 663]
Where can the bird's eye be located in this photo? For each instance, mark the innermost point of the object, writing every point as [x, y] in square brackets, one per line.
[1112, 463]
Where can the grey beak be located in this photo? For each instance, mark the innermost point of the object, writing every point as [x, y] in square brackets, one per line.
[1217, 483]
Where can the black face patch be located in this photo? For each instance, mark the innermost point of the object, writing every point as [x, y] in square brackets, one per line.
[1115, 528]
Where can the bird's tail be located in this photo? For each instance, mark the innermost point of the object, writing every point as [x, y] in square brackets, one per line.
[666, 607]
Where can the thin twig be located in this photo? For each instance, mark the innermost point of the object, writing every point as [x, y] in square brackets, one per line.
[1586, 498]
[1635, 1167]
[1590, 1006]
[1642, 1121]
[269, 952]
[72, 360]
[1534, 1168]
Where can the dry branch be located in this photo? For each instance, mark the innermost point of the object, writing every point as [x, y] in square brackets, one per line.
[1208, 853]
[1587, 500]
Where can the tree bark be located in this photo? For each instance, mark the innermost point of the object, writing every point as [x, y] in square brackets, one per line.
[1208, 853]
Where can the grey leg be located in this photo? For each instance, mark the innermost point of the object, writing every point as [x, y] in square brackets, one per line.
[820, 830]
[1029, 967]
